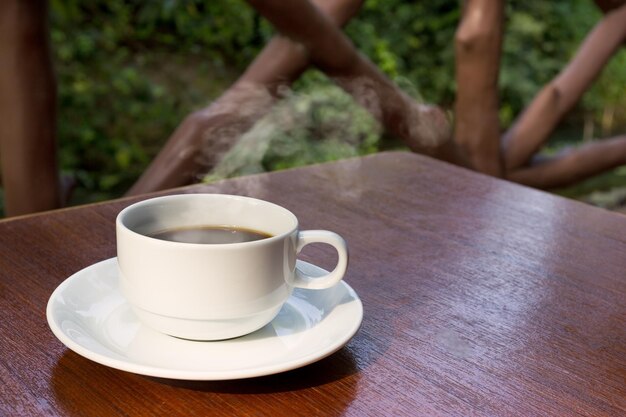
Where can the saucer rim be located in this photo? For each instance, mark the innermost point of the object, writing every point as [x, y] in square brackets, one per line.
[197, 375]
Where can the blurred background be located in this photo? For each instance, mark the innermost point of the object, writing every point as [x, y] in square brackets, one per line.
[129, 72]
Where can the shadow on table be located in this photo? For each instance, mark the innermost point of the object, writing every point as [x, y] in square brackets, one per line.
[339, 366]
[83, 387]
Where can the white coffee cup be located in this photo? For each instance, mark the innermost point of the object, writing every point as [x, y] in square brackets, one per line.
[206, 291]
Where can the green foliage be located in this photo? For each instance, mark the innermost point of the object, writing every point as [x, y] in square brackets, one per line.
[411, 40]
[128, 73]
[606, 101]
[540, 38]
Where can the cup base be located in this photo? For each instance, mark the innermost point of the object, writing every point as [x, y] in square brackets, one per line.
[205, 330]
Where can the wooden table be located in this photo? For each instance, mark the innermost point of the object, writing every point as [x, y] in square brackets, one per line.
[481, 297]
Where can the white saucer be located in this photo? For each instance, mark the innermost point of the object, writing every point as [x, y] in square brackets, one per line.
[90, 316]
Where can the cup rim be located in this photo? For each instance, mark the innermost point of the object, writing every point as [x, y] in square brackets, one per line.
[119, 220]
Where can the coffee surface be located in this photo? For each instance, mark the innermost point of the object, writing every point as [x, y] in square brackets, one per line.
[210, 235]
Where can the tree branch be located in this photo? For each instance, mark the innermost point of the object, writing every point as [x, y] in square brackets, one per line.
[424, 128]
[532, 128]
[573, 165]
[204, 136]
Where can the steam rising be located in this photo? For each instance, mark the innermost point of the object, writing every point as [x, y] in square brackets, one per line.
[315, 125]
[262, 132]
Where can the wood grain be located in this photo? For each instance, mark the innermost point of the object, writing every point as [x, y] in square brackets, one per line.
[481, 298]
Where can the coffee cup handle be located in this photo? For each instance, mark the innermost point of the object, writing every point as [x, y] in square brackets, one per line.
[315, 281]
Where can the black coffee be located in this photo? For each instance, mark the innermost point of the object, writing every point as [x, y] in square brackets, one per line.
[210, 234]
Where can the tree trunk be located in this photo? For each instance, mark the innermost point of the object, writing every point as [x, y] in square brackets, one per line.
[478, 47]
